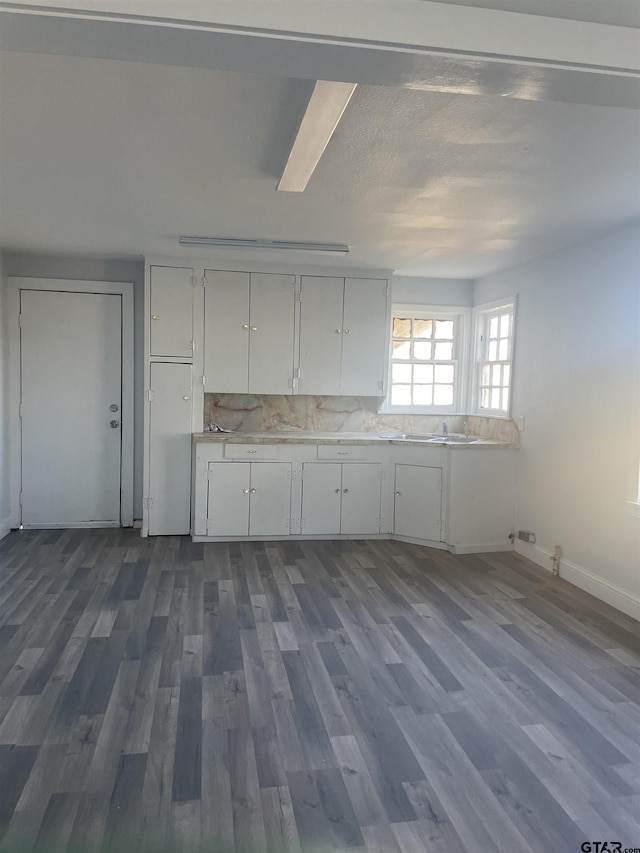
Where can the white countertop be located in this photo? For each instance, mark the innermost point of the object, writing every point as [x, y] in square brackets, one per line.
[319, 437]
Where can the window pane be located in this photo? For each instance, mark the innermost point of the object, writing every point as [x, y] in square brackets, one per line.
[401, 328]
[505, 399]
[486, 371]
[444, 352]
[495, 398]
[422, 350]
[423, 395]
[443, 395]
[444, 373]
[493, 327]
[423, 373]
[504, 325]
[401, 373]
[401, 395]
[503, 353]
[444, 329]
[422, 328]
[506, 374]
[495, 374]
[493, 351]
[402, 349]
[485, 398]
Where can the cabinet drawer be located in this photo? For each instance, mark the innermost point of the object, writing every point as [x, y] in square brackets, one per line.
[340, 452]
[250, 451]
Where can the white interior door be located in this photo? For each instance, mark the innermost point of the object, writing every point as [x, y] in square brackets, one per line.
[361, 498]
[418, 502]
[71, 377]
[272, 333]
[320, 335]
[321, 498]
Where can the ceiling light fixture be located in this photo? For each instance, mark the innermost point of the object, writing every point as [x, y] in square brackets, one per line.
[286, 245]
[326, 105]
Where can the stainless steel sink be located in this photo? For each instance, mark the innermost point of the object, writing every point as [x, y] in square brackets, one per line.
[431, 439]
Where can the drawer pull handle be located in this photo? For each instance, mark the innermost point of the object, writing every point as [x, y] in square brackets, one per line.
[252, 451]
[343, 453]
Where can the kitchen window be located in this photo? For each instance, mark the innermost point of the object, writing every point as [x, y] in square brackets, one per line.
[427, 358]
[494, 358]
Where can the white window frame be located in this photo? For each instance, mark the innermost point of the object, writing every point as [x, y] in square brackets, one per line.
[461, 316]
[482, 314]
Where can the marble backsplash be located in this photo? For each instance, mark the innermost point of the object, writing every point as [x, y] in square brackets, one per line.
[249, 413]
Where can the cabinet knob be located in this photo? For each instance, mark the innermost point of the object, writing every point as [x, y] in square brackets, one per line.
[186, 397]
[245, 491]
[253, 491]
[347, 331]
[345, 491]
[254, 328]
[245, 326]
[337, 491]
[398, 493]
[155, 317]
[338, 331]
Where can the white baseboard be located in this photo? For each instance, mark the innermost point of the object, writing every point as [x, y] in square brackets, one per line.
[622, 599]
[5, 526]
[481, 549]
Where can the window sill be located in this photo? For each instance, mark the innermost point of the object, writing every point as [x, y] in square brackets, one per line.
[634, 508]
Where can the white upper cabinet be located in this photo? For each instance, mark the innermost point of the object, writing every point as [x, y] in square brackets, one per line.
[171, 312]
[321, 335]
[364, 342]
[226, 331]
[343, 336]
[271, 333]
[249, 332]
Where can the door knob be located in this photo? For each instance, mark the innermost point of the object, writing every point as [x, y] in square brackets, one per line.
[113, 407]
[114, 424]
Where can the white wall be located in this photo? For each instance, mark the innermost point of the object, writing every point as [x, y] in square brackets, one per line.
[4, 433]
[577, 383]
[90, 269]
[431, 291]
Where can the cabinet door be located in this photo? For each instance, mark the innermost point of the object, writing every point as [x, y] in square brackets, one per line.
[226, 332]
[321, 498]
[364, 342]
[271, 337]
[270, 505]
[320, 335]
[228, 498]
[171, 306]
[170, 449]
[361, 498]
[418, 502]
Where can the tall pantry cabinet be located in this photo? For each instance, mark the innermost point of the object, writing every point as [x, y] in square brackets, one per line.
[173, 395]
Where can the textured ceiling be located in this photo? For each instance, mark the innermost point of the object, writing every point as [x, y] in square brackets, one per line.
[120, 158]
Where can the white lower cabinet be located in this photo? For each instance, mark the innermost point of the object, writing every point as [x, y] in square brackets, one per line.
[249, 499]
[340, 498]
[418, 502]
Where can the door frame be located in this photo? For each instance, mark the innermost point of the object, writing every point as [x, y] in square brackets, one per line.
[125, 291]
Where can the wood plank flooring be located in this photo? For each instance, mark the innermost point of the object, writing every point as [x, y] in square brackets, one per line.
[157, 694]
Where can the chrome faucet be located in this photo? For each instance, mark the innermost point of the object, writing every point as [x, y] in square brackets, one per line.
[445, 428]
[465, 427]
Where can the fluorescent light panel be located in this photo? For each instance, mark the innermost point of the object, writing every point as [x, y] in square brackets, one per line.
[286, 245]
[325, 108]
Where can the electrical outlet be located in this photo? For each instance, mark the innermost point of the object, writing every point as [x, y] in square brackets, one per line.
[526, 536]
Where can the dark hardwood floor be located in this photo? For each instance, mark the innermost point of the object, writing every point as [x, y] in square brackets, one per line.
[163, 695]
